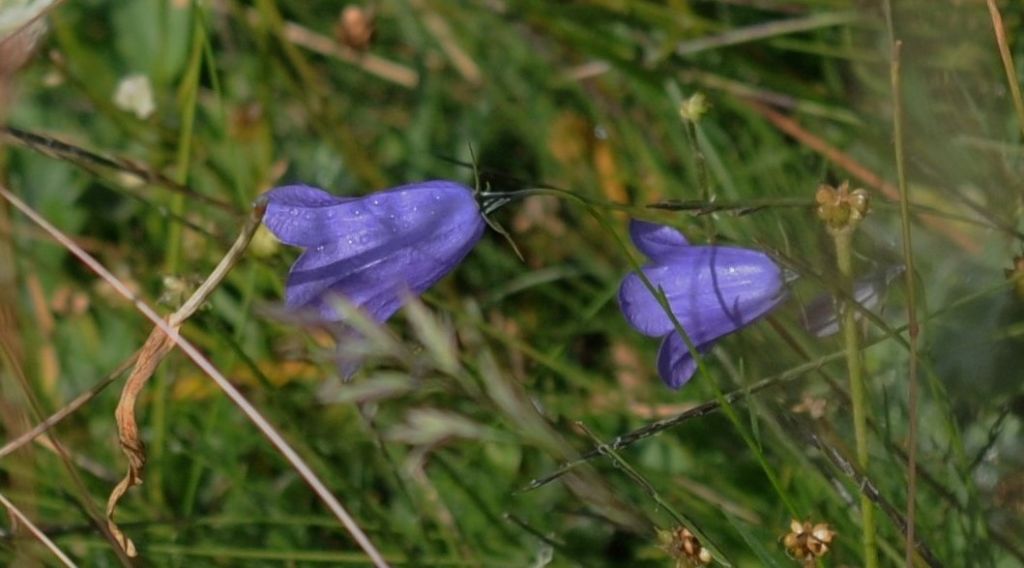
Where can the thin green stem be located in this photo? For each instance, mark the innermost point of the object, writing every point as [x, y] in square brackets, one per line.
[187, 93]
[913, 327]
[851, 339]
[703, 177]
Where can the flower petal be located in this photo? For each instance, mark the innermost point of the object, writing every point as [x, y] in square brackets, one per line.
[658, 242]
[300, 215]
[374, 249]
[712, 290]
[676, 365]
[821, 316]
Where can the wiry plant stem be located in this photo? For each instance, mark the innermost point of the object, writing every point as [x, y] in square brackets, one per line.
[851, 339]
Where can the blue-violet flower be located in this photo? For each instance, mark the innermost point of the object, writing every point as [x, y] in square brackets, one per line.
[712, 291]
[821, 316]
[375, 250]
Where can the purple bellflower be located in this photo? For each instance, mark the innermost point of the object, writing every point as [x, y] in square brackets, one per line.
[712, 291]
[376, 250]
[821, 316]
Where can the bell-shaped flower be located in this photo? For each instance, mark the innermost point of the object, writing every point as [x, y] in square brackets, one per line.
[821, 316]
[712, 291]
[373, 251]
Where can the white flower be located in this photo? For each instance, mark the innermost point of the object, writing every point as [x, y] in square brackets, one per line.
[135, 94]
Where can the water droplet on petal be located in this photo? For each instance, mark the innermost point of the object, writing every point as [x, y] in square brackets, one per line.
[376, 202]
[294, 212]
[320, 248]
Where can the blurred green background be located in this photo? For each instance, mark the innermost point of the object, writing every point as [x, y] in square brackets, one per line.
[460, 407]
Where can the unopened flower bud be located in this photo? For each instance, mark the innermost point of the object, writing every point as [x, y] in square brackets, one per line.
[355, 27]
[693, 108]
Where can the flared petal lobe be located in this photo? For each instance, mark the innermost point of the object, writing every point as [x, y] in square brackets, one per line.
[658, 242]
[676, 364]
[376, 249]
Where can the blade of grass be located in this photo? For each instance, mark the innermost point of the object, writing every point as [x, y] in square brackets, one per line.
[766, 30]
[49, 544]
[913, 328]
[1007, 58]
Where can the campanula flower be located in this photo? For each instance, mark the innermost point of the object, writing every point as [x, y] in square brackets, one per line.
[375, 250]
[712, 291]
[821, 318]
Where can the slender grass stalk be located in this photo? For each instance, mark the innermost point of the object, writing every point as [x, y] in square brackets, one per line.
[851, 341]
[913, 327]
[188, 94]
[895, 49]
[690, 111]
[32, 528]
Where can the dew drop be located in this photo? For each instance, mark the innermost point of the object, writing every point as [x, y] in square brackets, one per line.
[294, 212]
[376, 202]
[320, 248]
[330, 214]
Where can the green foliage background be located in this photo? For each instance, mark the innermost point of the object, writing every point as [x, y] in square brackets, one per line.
[462, 405]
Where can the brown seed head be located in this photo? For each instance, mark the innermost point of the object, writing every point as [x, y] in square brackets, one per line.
[683, 546]
[840, 208]
[355, 27]
[807, 542]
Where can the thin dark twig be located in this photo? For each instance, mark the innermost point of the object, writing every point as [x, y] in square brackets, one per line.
[699, 411]
[868, 488]
[80, 156]
[67, 410]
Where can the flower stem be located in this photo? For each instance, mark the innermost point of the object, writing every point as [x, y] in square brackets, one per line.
[703, 178]
[851, 338]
